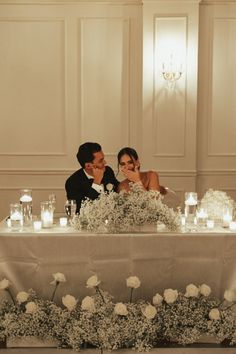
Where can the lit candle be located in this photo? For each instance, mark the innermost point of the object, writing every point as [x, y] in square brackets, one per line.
[191, 199]
[183, 220]
[202, 214]
[232, 225]
[8, 222]
[26, 198]
[63, 222]
[210, 224]
[227, 217]
[16, 216]
[47, 218]
[37, 225]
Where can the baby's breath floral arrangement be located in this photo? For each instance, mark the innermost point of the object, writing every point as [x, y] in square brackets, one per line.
[119, 212]
[215, 202]
[98, 321]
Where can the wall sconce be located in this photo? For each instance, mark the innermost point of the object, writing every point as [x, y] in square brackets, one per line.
[171, 72]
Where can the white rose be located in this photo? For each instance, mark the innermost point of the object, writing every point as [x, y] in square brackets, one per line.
[22, 296]
[133, 282]
[4, 284]
[109, 187]
[93, 281]
[149, 312]
[88, 304]
[69, 302]
[157, 299]
[31, 307]
[191, 291]
[120, 309]
[229, 295]
[205, 290]
[58, 278]
[170, 295]
[214, 314]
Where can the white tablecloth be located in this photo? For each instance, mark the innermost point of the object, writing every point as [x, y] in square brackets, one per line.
[160, 260]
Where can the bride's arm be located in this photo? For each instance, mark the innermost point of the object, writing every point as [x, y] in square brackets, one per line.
[153, 181]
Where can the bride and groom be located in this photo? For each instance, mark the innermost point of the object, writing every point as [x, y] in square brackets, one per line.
[95, 177]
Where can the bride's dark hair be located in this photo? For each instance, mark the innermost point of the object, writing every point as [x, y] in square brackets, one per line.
[127, 151]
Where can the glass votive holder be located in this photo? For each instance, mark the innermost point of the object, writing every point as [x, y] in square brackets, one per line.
[201, 217]
[232, 225]
[210, 224]
[26, 202]
[183, 220]
[16, 216]
[46, 214]
[190, 207]
[63, 222]
[37, 225]
[227, 217]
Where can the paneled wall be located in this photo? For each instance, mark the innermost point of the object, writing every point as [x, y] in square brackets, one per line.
[72, 71]
[216, 98]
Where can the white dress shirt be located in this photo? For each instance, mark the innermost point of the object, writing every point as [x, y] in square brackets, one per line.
[98, 187]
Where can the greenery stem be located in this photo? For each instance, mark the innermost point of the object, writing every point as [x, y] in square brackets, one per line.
[11, 296]
[99, 292]
[131, 295]
[54, 292]
[229, 307]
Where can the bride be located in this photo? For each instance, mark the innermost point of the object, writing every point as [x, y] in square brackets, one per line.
[129, 165]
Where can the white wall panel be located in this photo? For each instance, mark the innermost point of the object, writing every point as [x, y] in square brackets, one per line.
[32, 89]
[222, 122]
[170, 103]
[105, 82]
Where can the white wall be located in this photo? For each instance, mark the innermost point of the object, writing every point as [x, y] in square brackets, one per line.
[72, 71]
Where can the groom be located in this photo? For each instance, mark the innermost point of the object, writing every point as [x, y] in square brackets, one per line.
[93, 178]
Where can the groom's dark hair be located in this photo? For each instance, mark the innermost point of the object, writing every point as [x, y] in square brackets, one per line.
[86, 151]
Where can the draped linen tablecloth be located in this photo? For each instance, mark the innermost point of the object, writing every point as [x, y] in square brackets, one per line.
[160, 260]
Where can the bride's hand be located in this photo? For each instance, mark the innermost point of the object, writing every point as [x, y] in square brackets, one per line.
[132, 176]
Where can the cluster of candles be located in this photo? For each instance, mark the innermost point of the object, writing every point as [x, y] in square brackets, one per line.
[21, 213]
[199, 216]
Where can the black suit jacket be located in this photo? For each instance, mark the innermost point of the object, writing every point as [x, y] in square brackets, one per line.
[79, 186]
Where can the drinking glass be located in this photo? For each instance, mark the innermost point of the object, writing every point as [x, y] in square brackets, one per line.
[70, 207]
[52, 199]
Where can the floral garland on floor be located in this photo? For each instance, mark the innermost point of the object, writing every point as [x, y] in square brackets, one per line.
[115, 212]
[98, 321]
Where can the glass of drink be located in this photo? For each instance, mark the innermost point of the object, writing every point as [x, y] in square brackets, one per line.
[70, 207]
[52, 200]
[16, 216]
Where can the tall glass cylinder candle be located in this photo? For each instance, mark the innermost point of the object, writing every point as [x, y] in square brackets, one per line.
[26, 202]
[16, 216]
[190, 207]
[46, 214]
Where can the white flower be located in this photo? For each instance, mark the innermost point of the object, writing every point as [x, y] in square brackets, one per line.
[149, 312]
[4, 284]
[229, 295]
[22, 296]
[58, 278]
[205, 290]
[157, 299]
[109, 187]
[88, 304]
[31, 307]
[191, 291]
[214, 314]
[69, 302]
[133, 282]
[120, 309]
[93, 281]
[170, 296]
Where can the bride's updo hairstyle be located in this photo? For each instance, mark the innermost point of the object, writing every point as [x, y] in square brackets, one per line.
[127, 151]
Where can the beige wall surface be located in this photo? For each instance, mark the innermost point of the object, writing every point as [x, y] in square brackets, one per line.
[76, 71]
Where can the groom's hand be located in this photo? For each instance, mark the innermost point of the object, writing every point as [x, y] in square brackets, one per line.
[132, 176]
[98, 174]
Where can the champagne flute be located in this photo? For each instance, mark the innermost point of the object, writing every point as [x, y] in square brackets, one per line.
[52, 199]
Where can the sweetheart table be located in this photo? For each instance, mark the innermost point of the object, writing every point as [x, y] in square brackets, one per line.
[160, 259]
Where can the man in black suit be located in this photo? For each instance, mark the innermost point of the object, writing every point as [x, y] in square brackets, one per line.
[93, 178]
